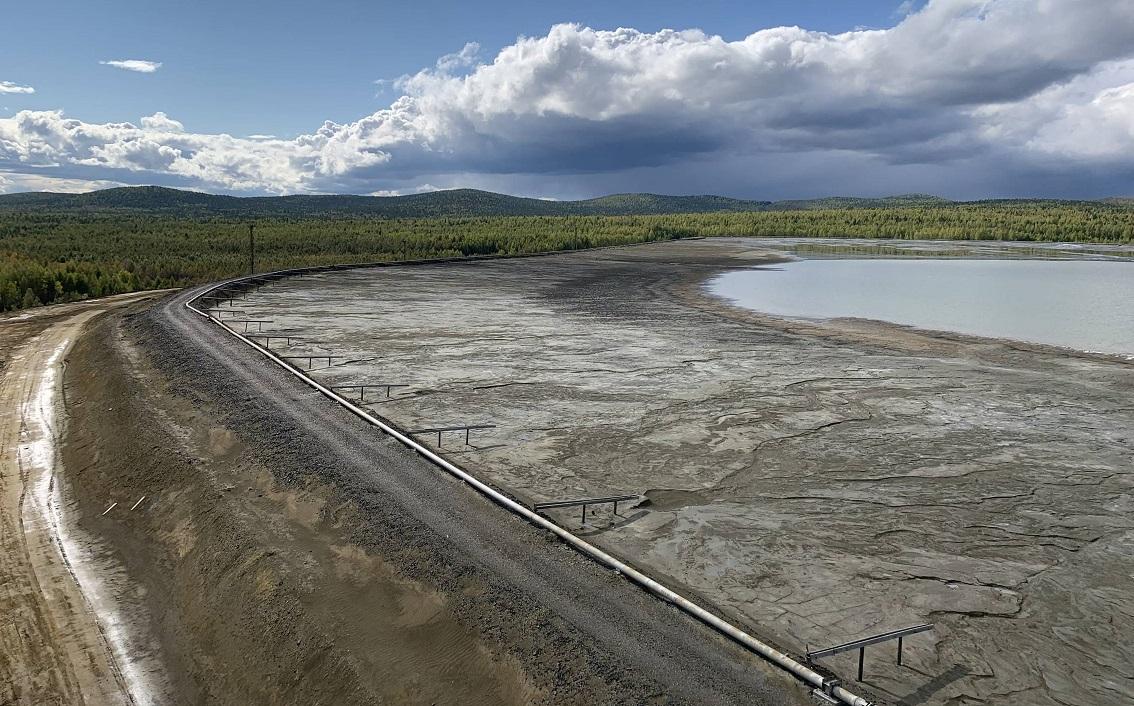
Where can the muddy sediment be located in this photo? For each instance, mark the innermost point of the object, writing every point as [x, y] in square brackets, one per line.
[62, 600]
[814, 482]
[288, 553]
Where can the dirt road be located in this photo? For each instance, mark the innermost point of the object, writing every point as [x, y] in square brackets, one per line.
[53, 648]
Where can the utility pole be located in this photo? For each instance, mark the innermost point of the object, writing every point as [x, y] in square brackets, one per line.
[251, 250]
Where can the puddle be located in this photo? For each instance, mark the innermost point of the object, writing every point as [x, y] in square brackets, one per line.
[104, 587]
[672, 499]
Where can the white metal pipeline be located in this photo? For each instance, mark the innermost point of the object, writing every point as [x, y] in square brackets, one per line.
[766, 651]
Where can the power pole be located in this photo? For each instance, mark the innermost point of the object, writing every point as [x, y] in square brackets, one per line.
[251, 250]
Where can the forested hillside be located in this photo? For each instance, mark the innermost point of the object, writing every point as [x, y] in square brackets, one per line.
[455, 203]
[451, 203]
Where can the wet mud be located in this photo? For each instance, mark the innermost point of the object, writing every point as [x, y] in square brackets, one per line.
[264, 546]
[71, 631]
[815, 482]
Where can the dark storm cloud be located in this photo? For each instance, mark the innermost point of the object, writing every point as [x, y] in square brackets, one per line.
[976, 85]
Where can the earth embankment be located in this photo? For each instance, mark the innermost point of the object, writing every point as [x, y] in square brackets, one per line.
[291, 554]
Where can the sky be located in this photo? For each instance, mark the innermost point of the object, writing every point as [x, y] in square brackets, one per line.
[764, 100]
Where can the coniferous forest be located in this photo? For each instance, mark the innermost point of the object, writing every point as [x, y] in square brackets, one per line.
[52, 255]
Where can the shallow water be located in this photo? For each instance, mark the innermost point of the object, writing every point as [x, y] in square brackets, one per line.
[1081, 304]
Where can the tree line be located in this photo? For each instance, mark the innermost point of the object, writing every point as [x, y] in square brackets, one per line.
[48, 257]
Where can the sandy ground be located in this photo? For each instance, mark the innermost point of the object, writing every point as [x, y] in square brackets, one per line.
[816, 483]
[57, 644]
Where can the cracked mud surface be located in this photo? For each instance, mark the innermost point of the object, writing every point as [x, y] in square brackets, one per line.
[814, 482]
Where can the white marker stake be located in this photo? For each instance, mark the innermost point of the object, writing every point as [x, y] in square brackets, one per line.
[135, 507]
[112, 506]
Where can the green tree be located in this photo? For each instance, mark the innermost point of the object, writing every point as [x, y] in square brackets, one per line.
[9, 295]
[30, 299]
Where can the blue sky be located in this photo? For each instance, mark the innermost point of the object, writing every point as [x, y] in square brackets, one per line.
[284, 67]
[967, 98]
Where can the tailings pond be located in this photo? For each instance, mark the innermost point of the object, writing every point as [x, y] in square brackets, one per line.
[816, 482]
[1082, 304]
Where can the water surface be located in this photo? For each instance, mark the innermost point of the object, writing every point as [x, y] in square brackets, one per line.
[1082, 304]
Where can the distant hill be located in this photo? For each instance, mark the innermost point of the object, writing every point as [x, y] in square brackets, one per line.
[905, 201]
[452, 203]
[455, 202]
[635, 204]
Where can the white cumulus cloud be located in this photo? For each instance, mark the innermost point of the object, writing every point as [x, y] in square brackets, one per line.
[139, 65]
[9, 87]
[160, 122]
[996, 95]
[463, 59]
[11, 183]
[419, 189]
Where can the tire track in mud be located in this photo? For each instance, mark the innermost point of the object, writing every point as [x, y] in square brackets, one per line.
[54, 647]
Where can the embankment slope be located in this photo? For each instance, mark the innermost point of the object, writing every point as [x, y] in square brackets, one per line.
[295, 555]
